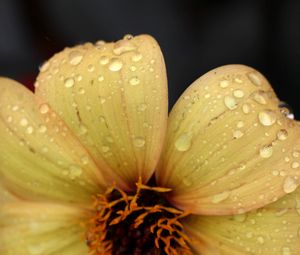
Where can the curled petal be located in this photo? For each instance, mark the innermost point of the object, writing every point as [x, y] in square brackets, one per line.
[272, 230]
[29, 228]
[40, 159]
[114, 97]
[229, 147]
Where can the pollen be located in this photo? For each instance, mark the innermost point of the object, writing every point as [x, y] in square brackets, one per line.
[137, 223]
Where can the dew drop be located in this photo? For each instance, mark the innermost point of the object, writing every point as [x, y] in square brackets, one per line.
[75, 57]
[254, 78]
[103, 60]
[69, 82]
[29, 130]
[286, 110]
[44, 67]
[282, 134]
[137, 57]
[44, 108]
[266, 151]
[237, 134]
[230, 102]
[220, 197]
[238, 93]
[183, 142]
[295, 164]
[134, 81]
[115, 65]
[260, 239]
[91, 68]
[286, 250]
[23, 122]
[139, 142]
[289, 185]
[259, 97]
[75, 171]
[224, 84]
[267, 117]
[123, 46]
[142, 107]
[100, 78]
[128, 37]
[246, 108]
[42, 129]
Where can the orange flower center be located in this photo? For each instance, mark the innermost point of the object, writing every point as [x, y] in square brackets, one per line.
[140, 223]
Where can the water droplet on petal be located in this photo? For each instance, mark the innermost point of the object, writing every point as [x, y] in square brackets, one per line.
[237, 134]
[44, 67]
[75, 57]
[134, 81]
[246, 108]
[137, 57]
[266, 151]
[69, 82]
[123, 46]
[267, 117]
[220, 197]
[224, 84]
[254, 78]
[91, 68]
[115, 65]
[105, 148]
[42, 129]
[139, 142]
[29, 130]
[260, 97]
[282, 134]
[230, 102]
[183, 142]
[286, 251]
[75, 171]
[44, 108]
[104, 60]
[286, 110]
[295, 164]
[23, 122]
[128, 37]
[100, 78]
[238, 93]
[289, 185]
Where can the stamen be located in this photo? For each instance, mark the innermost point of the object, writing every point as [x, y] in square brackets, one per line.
[143, 223]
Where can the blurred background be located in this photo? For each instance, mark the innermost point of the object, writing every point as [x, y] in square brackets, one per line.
[195, 36]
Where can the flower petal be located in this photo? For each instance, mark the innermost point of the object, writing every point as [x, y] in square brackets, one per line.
[40, 159]
[272, 230]
[229, 147]
[114, 97]
[30, 228]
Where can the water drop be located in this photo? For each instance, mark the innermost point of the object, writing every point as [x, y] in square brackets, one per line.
[267, 117]
[139, 142]
[42, 129]
[142, 107]
[220, 197]
[105, 148]
[183, 142]
[123, 46]
[128, 37]
[237, 134]
[282, 134]
[260, 239]
[137, 57]
[44, 108]
[91, 68]
[289, 185]
[100, 78]
[254, 78]
[266, 151]
[75, 171]
[23, 122]
[238, 93]
[44, 67]
[29, 130]
[230, 102]
[75, 57]
[246, 108]
[295, 164]
[115, 65]
[224, 84]
[134, 81]
[103, 60]
[69, 82]
[286, 110]
[286, 250]
[260, 97]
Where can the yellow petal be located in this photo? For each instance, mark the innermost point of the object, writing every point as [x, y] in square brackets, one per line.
[229, 148]
[40, 159]
[28, 228]
[272, 230]
[114, 97]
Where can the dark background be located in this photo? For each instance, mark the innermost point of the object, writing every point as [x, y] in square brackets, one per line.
[195, 35]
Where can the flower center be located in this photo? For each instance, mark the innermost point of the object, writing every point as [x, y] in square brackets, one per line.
[139, 223]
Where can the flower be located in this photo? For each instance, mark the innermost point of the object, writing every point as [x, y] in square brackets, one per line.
[77, 156]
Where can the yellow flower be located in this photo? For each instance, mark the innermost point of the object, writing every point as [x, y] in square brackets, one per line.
[77, 156]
